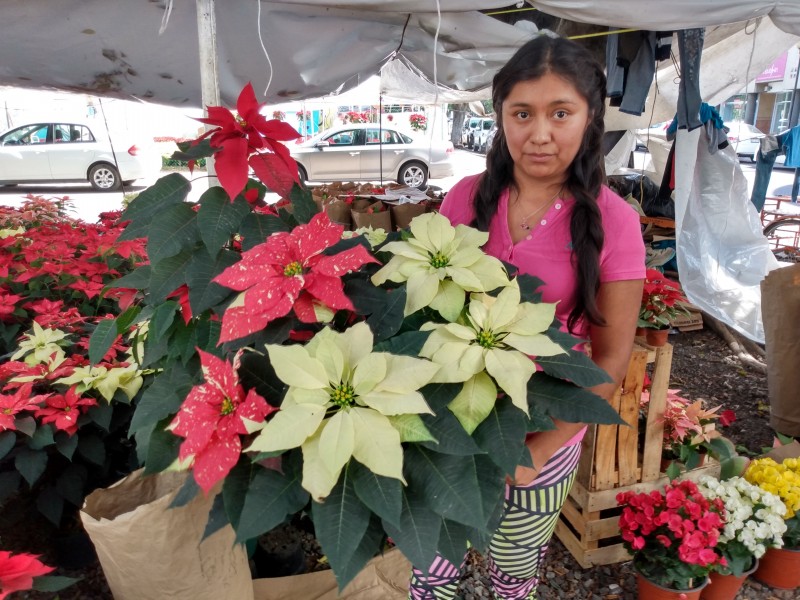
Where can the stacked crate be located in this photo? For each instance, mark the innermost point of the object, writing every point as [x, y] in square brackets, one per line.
[619, 458]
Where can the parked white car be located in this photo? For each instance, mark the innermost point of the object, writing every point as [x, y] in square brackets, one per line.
[367, 152]
[73, 152]
[745, 139]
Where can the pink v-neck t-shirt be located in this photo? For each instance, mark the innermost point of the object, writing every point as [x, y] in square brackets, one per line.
[545, 252]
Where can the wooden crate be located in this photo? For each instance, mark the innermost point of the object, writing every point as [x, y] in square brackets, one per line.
[614, 460]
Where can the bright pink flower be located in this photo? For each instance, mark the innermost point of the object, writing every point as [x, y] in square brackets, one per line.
[665, 541]
[727, 417]
[18, 570]
[289, 272]
[211, 420]
[8, 304]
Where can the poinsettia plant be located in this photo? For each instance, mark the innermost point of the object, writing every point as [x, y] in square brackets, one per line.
[662, 301]
[382, 382]
[64, 407]
[23, 571]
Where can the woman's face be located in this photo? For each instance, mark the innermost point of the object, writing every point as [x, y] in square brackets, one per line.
[544, 121]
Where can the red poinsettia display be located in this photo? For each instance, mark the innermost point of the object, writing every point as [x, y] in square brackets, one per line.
[662, 301]
[250, 134]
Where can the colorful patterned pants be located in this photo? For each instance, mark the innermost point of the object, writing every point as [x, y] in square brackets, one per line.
[520, 543]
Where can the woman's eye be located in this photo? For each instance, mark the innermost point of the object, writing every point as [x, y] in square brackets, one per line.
[560, 114]
[522, 114]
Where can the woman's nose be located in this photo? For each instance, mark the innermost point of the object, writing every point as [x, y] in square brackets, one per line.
[539, 132]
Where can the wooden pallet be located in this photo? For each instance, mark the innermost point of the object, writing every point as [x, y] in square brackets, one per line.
[616, 458]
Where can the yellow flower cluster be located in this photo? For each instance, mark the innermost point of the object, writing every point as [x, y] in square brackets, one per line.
[781, 479]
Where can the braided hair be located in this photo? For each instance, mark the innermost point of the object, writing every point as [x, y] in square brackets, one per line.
[570, 61]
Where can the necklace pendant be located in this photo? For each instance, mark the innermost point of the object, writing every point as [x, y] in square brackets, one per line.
[525, 226]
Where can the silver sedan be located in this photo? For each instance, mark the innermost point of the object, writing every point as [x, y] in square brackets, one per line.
[369, 152]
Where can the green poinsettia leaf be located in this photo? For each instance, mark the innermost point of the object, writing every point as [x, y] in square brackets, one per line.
[234, 489]
[41, 438]
[30, 464]
[382, 495]
[502, 435]
[203, 292]
[71, 483]
[174, 231]
[168, 275]
[101, 340]
[340, 522]
[256, 372]
[194, 150]
[187, 492]
[565, 340]
[217, 518]
[450, 435]
[256, 228]
[303, 205]
[418, 533]
[565, 401]
[66, 444]
[53, 583]
[529, 287]
[368, 547]
[8, 440]
[454, 539]
[169, 190]
[574, 366]
[366, 297]
[162, 398]
[447, 483]
[138, 279]
[388, 318]
[219, 219]
[162, 450]
[271, 497]
[409, 343]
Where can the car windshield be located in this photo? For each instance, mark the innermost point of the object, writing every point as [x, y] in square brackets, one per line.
[28, 134]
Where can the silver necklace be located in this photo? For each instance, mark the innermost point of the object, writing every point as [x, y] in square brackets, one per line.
[524, 222]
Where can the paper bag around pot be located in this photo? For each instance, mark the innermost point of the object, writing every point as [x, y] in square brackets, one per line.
[150, 552]
[338, 211]
[402, 214]
[383, 578]
[375, 219]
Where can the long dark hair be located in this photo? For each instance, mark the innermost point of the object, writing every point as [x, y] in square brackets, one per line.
[570, 61]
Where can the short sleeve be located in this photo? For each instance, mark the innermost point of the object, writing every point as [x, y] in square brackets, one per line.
[623, 255]
[457, 204]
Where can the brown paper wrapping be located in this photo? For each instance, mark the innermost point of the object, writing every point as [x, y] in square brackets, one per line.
[403, 213]
[383, 578]
[339, 212]
[150, 552]
[376, 220]
[780, 310]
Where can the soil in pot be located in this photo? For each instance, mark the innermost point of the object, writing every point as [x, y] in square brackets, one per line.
[279, 553]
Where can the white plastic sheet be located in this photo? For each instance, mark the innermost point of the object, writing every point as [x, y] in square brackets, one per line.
[722, 254]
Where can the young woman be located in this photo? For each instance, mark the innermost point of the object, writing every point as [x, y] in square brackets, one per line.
[547, 211]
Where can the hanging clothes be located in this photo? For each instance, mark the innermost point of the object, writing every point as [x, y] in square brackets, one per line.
[631, 65]
[716, 132]
[772, 146]
[690, 46]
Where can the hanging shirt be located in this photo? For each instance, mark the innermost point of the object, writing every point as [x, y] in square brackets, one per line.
[791, 147]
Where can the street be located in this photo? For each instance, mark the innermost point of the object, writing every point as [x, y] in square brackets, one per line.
[88, 203]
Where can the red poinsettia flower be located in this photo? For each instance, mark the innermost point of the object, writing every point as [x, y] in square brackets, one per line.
[12, 404]
[289, 271]
[18, 570]
[211, 420]
[8, 303]
[727, 417]
[64, 409]
[181, 293]
[237, 137]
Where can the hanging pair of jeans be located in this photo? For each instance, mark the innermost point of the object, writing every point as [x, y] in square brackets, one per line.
[764, 163]
[690, 46]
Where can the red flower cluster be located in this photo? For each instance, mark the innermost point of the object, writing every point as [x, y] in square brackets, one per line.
[671, 531]
[18, 570]
[661, 298]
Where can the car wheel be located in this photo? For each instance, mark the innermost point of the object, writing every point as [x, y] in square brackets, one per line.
[302, 173]
[413, 174]
[104, 178]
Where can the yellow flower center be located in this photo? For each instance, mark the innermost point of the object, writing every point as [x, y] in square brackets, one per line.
[439, 260]
[7, 411]
[292, 269]
[343, 395]
[241, 121]
[227, 407]
[487, 339]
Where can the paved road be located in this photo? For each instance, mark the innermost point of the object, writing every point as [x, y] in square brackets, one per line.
[88, 203]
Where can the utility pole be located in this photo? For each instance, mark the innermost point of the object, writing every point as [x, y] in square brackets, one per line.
[209, 74]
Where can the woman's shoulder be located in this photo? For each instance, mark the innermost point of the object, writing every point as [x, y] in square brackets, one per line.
[614, 206]
[457, 204]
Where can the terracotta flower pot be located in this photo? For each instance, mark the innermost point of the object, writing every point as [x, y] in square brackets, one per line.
[653, 591]
[641, 332]
[780, 568]
[725, 587]
[657, 337]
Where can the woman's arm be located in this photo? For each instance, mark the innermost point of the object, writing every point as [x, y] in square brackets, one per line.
[612, 344]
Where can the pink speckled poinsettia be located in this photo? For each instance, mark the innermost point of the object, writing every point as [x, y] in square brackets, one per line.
[211, 420]
[289, 272]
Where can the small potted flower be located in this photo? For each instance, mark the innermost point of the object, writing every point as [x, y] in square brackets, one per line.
[672, 535]
[418, 122]
[780, 567]
[662, 303]
[754, 522]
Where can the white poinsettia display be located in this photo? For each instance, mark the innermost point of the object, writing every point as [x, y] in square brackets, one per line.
[439, 263]
[341, 399]
[491, 347]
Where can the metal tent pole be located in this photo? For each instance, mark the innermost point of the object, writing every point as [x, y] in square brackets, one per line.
[209, 74]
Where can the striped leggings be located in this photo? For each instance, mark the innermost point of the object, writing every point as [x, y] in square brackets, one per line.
[519, 545]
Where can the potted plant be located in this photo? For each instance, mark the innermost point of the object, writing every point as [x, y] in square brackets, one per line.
[672, 534]
[753, 523]
[308, 371]
[661, 304]
[418, 122]
[780, 567]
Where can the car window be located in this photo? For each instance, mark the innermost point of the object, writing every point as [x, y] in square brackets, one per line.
[27, 134]
[386, 136]
[343, 138]
[405, 138]
[487, 125]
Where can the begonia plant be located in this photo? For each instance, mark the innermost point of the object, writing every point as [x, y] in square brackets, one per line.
[301, 368]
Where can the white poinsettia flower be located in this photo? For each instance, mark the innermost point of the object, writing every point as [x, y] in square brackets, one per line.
[340, 404]
[491, 347]
[439, 263]
[106, 380]
[40, 344]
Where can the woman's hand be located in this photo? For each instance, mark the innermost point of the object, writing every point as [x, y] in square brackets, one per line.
[523, 476]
